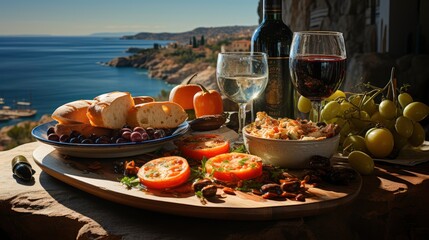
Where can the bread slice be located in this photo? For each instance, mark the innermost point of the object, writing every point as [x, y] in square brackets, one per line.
[72, 112]
[82, 128]
[157, 115]
[143, 99]
[110, 110]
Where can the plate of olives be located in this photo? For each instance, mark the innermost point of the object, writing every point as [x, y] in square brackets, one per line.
[125, 142]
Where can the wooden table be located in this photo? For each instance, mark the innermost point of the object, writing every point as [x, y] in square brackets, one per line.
[393, 204]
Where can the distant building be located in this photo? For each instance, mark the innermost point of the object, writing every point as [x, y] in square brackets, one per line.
[237, 46]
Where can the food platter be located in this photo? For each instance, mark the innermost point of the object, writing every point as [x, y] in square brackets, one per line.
[409, 156]
[242, 206]
[107, 150]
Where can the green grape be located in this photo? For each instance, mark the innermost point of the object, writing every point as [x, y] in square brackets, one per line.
[304, 104]
[369, 106]
[387, 109]
[364, 103]
[400, 141]
[330, 110]
[377, 118]
[347, 109]
[345, 130]
[336, 95]
[361, 120]
[418, 136]
[404, 126]
[355, 99]
[416, 111]
[354, 142]
[339, 121]
[379, 142]
[361, 162]
[404, 99]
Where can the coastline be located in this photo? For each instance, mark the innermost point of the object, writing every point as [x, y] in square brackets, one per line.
[171, 64]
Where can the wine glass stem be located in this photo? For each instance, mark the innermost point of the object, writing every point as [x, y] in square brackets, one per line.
[241, 117]
[317, 106]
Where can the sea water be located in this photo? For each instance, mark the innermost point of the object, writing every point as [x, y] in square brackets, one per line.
[51, 71]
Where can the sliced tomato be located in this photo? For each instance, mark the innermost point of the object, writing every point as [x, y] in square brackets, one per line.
[231, 167]
[165, 172]
[203, 145]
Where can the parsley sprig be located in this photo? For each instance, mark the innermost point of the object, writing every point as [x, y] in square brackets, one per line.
[131, 182]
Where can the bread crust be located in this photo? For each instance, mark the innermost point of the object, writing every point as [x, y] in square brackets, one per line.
[110, 110]
[143, 99]
[73, 112]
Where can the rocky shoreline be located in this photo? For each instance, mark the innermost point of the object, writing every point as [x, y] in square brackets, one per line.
[160, 67]
[173, 71]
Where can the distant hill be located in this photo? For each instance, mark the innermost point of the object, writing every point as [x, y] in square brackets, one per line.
[111, 34]
[208, 32]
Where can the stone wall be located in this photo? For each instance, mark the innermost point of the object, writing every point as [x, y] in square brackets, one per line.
[346, 16]
[367, 61]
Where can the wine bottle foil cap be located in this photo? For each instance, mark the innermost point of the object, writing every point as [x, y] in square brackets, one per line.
[272, 5]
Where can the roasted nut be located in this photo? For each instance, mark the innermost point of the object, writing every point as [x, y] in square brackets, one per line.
[300, 197]
[288, 195]
[290, 186]
[229, 191]
[272, 188]
[209, 191]
[270, 195]
[200, 184]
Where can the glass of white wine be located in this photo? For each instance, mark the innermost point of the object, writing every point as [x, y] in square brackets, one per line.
[241, 77]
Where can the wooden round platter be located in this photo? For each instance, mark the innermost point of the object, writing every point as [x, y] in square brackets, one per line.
[243, 206]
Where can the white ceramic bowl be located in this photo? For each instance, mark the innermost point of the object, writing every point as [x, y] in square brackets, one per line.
[290, 153]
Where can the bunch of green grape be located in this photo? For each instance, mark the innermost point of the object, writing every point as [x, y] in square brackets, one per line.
[381, 129]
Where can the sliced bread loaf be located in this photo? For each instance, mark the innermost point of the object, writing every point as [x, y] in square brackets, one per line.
[110, 110]
[72, 112]
[157, 115]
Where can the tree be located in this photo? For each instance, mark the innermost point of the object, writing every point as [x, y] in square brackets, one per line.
[194, 42]
[202, 41]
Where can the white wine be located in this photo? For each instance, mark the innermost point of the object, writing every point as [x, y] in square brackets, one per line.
[242, 89]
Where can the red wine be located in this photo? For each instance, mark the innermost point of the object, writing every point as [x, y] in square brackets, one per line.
[274, 38]
[316, 77]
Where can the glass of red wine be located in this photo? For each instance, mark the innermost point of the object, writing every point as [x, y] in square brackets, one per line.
[317, 65]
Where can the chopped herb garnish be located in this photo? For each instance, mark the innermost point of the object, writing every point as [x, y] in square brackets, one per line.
[239, 149]
[131, 182]
[248, 185]
[198, 172]
[243, 161]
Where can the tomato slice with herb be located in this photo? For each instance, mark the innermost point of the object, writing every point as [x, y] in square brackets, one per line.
[165, 172]
[231, 167]
[203, 145]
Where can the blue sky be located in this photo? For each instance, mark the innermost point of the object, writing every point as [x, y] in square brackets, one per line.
[81, 17]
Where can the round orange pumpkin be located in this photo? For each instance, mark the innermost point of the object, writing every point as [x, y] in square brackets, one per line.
[184, 95]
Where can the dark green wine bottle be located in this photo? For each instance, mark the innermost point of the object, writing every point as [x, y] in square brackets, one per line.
[274, 37]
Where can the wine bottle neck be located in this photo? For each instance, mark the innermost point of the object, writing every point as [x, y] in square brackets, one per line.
[270, 16]
[272, 9]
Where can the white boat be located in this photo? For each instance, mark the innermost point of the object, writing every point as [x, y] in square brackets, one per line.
[23, 109]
